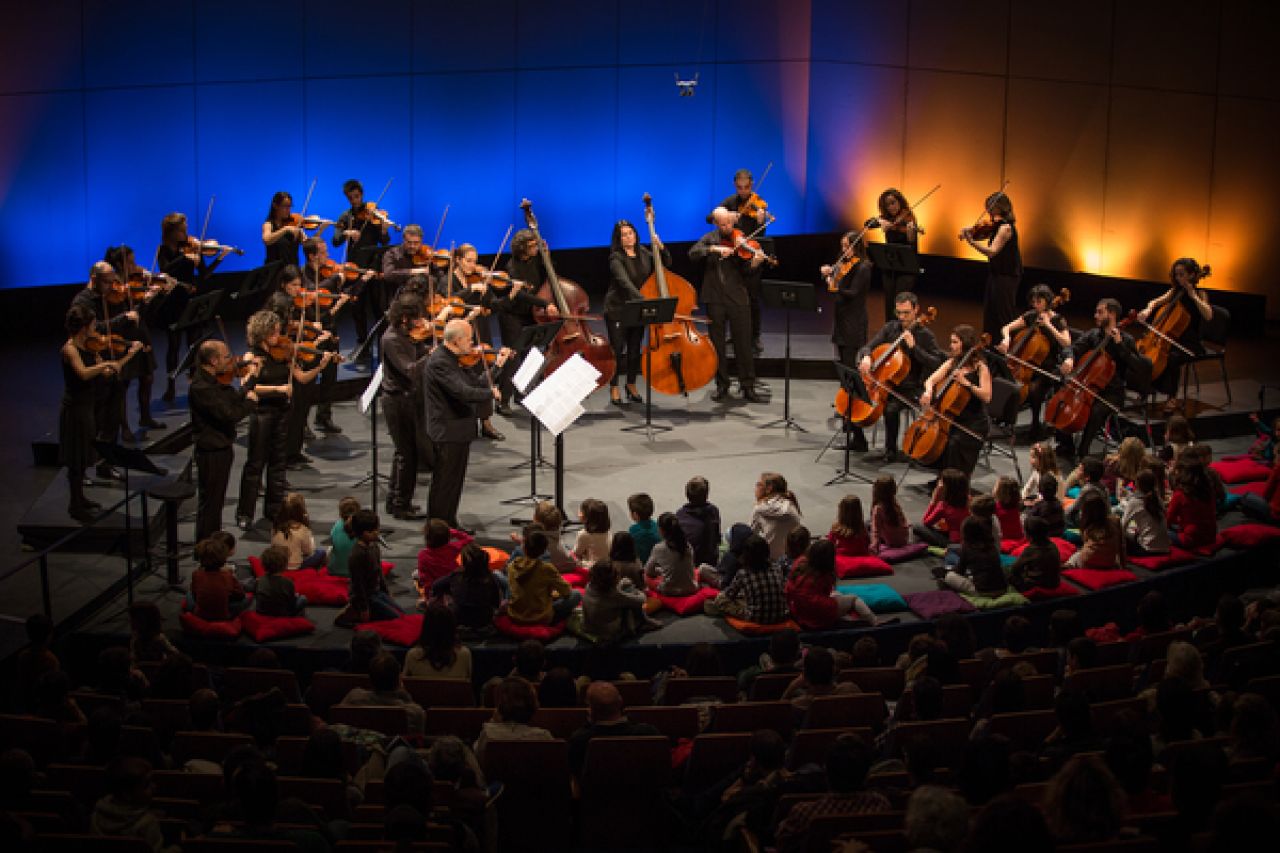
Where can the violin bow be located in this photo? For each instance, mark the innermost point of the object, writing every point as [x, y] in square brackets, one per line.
[307, 201]
[986, 206]
[439, 229]
[501, 247]
[756, 184]
[1153, 330]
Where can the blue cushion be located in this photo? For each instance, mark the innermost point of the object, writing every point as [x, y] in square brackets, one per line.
[1007, 560]
[879, 597]
[1073, 536]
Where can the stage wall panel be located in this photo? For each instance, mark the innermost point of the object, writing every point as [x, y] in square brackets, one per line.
[1244, 167]
[1166, 44]
[863, 31]
[1061, 41]
[240, 40]
[960, 35]
[40, 47]
[347, 39]
[133, 43]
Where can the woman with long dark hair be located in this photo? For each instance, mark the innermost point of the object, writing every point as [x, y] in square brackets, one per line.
[900, 227]
[630, 266]
[438, 653]
[962, 448]
[1004, 267]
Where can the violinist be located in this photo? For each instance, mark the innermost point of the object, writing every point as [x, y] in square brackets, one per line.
[285, 304]
[399, 264]
[1185, 276]
[216, 407]
[1120, 347]
[998, 240]
[281, 237]
[192, 271]
[898, 222]
[402, 360]
[83, 371]
[1053, 326]
[969, 369]
[749, 219]
[317, 254]
[143, 368]
[109, 410]
[727, 299]
[470, 283]
[278, 373]
[360, 236]
[850, 279]
[629, 268]
[921, 349]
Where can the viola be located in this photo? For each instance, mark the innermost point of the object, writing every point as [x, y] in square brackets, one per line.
[678, 358]
[197, 249]
[313, 298]
[481, 353]
[307, 222]
[746, 248]
[927, 437]
[889, 366]
[372, 213]
[349, 271]
[572, 303]
[1030, 348]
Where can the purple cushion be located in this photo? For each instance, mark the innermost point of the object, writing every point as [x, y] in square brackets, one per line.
[901, 555]
[931, 605]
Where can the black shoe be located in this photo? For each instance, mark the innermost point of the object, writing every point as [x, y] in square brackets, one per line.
[91, 504]
[327, 425]
[81, 513]
[750, 395]
[503, 409]
[858, 445]
[492, 434]
[633, 397]
[307, 434]
[152, 423]
[127, 436]
[615, 396]
[297, 460]
[409, 514]
[720, 394]
[244, 522]
[170, 392]
[938, 572]
[892, 456]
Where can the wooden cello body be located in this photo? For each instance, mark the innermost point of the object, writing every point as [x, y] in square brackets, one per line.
[927, 437]
[678, 358]
[1169, 324]
[889, 366]
[572, 303]
[1032, 347]
[1068, 409]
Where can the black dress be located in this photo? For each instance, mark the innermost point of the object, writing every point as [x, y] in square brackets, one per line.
[284, 250]
[76, 427]
[268, 431]
[1004, 273]
[627, 274]
[849, 332]
[1192, 338]
[895, 283]
[962, 449]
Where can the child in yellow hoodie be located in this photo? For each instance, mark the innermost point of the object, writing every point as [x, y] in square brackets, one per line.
[539, 595]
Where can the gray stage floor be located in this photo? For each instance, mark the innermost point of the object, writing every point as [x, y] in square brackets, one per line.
[730, 444]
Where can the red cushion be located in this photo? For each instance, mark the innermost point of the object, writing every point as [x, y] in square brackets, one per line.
[1010, 546]
[861, 567]
[575, 579]
[1040, 593]
[1240, 469]
[687, 605]
[753, 629]
[320, 587]
[1247, 536]
[1096, 579]
[403, 630]
[1156, 562]
[256, 565]
[387, 566]
[517, 631]
[1258, 488]
[266, 628]
[220, 630]
[1065, 548]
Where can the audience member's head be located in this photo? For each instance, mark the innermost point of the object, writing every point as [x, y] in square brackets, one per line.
[408, 783]
[1254, 730]
[697, 491]
[128, 780]
[365, 646]
[784, 648]
[1007, 693]
[103, 733]
[1017, 634]
[384, 673]
[703, 661]
[530, 660]
[1009, 824]
[558, 689]
[1176, 707]
[1183, 661]
[819, 667]
[254, 787]
[323, 757]
[604, 702]
[1082, 653]
[1064, 626]
[848, 761]
[866, 652]
[1036, 530]
[451, 760]
[937, 819]
[1071, 708]
[1198, 773]
[1129, 757]
[203, 710]
[955, 632]
[1230, 615]
[1083, 803]
[768, 751]
[517, 701]
[1153, 613]
[926, 693]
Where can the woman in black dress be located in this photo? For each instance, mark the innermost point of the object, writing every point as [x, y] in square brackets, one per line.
[82, 372]
[142, 368]
[282, 238]
[629, 267]
[176, 259]
[269, 423]
[962, 449]
[1004, 263]
[1185, 276]
[900, 227]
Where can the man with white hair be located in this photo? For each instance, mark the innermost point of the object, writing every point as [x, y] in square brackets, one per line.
[451, 391]
[728, 303]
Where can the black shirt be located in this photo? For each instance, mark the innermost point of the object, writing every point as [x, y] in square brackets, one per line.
[90, 299]
[1122, 353]
[451, 392]
[745, 224]
[215, 411]
[1008, 261]
[627, 275]
[274, 373]
[521, 305]
[1030, 320]
[285, 249]
[371, 234]
[723, 275]
[398, 266]
[400, 361]
[925, 356]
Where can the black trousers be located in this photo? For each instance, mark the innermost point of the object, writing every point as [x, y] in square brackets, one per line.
[962, 450]
[268, 433]
[893, 413]
[895, 283]
[399, 411]
[725, 317]
[213, 472]
[753, 279]
[1098, 415]
[510, 327]
[627, 349]
[1000, 304]
[447, 479]
[1039, 391]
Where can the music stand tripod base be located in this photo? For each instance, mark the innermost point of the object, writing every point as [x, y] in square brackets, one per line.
[789, 296]
[641, 313]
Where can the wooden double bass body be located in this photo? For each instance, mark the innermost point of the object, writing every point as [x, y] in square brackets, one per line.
[678, 358]
[572, 303]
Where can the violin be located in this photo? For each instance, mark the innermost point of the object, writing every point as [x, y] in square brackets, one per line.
[841, 268]
[985, 226]
[286, 350]
[349, 271]
[313, 298]
[746, 248]
[197, 249]
[307, 222]
[425, 330]
[237, 370]
[1030, 348]
[307, 332]
[481, 353]
[372, 213]
[114, 345]
[927, 437]
[889, 366]
[753, 205]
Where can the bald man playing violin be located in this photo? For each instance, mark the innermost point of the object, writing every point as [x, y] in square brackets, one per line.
[726, 297]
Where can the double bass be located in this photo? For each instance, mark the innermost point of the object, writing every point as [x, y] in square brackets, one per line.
[678, 359]
[889, 366]
[927, 437]
[1169, 323]
[1030, 348]
[572, 303]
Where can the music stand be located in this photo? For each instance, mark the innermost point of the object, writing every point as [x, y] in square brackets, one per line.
[256, 282]
[789, 296]
[539, 336]
[199, 312]
[374, 475]
[636, 314]
[897, 258]
[127, 459]
[851, 382]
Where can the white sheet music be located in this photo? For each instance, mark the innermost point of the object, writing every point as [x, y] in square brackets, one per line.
[366, 397]
[533, 361]
[557, 401]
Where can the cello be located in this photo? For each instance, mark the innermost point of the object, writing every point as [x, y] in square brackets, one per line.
[889, 366]
[677, 358]
[1069, 408]
[1170, 322]
[1029, 350]
[927, 437]
[572, 303]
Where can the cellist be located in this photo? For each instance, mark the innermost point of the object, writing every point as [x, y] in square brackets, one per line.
[1053, 326]
[515, 303]
[972, 374]
[629, 268]
[1120, 347]
[920, 347]
[1185, 275]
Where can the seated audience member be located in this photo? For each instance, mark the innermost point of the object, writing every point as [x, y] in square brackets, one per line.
[818, 678]
[1048, 507]
[811, 591]
[776, 512]
[439, 557]
[1039, 565]
[1146, 530]
[1265, 507]
[984, 771]
[622, 553]
[539, 595]
[783, 657]
[369, 598]
[558, 689]
[216, 595]
[592, 542]
[147, 641]
[643, 529]
[797, 544]
[1103, 546]
[291, 529]
[1009, 824]
[517, 703]
[274, 594]
[937, 819]
[1255, 733]
[671, 560]
[848, 762]
[439, 653]
[849, 533]
[889, 526]
[126, 809]
[979, 571]
[473, 592]
[1088, 476]
[612, 608]
[1192, 515]
[1008, 508]
[1083, 804]
[947, 510]
[701, 521]
[606, 718]
[386, 689]
[1074, 733]
[1129, 757]
[757, 592]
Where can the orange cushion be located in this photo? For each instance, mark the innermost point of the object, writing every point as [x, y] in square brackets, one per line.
[754, 629]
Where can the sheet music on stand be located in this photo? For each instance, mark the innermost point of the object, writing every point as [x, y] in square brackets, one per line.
[371, 390]
[557, 401]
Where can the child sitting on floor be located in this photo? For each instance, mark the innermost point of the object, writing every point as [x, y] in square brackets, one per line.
[612, 607]
[539, 595]
[1043, 461]
[1088, 475]
[889, 527]
[292, 530]
[643, 529]
[701, 521]
[811, 594]
[473, 591]
[1192, 516]
[978, 570]
[440, 556]
[1008, 508]
[369, 598]
[340, 540]
[849, 534]
[757, 592]
[1039, 564]
[797, 544]
[671, 560]
[275, 594]
[622, 553]
[216, 595]
[1048, 508]
[1143, 519]
[947, 510]
[1103, 542]
[593, 539]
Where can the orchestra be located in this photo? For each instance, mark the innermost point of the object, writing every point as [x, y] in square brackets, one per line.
[436, 304]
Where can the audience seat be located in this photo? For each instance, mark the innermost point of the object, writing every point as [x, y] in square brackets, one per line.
[948, 735]
[178, 784]
[329, 688]
[635, 692]
[44, 739]
[674, 722]
[824, 830]
[386, 719]
[441, 692]
[536, 789]
[769, 686]
[1103, 683]
[715, 756]
[1107, 715]
[622, 799]
[214, 844]
[85, 783]
[463, 723]
[810, 746]
[888, 681]
[1125, 845]
[1045, 661]
[212, 746]
[681, 690]
[1027, 729]
[561, 722]
[241, 681]
[842, 711]
[957, 701]
[76, 843]
[329, 795]
[1038, 692]
[89, 701]
[753, 716]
